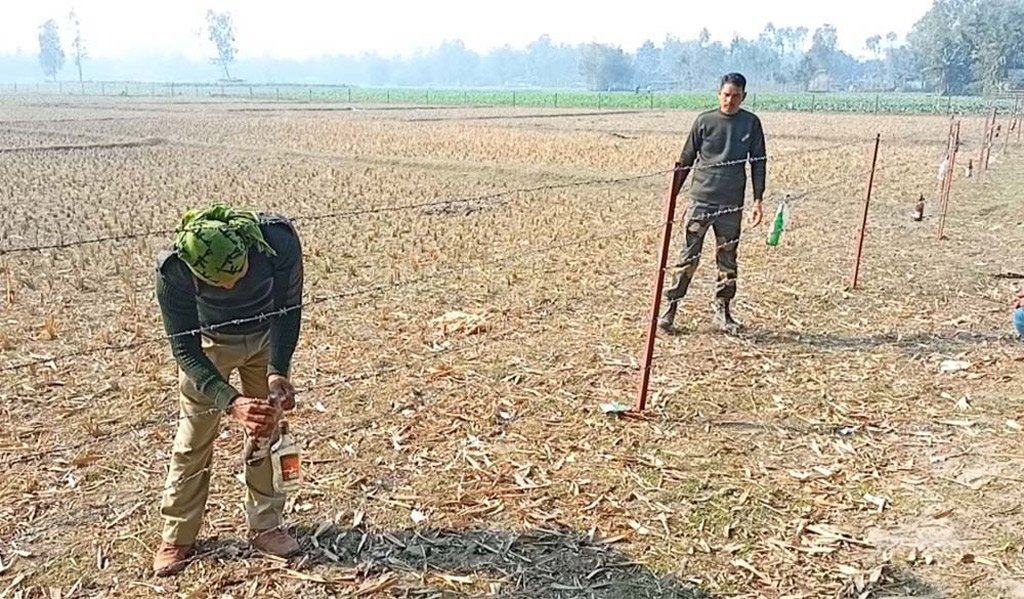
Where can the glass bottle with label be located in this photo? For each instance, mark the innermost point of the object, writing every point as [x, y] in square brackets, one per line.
[286, 457]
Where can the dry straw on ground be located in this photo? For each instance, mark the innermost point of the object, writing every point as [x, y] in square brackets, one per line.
[453, 441]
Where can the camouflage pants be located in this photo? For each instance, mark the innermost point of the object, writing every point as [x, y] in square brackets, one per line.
[727, 223]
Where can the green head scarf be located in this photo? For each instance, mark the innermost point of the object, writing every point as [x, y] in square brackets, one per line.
[214, 243]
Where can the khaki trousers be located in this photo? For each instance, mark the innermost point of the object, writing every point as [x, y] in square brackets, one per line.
[188, 481]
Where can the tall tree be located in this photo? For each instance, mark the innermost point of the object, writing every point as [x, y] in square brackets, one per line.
[673, 60]
[791, 40]
[901, 66]
[647, 64]
[874, 45]
[770, 49]
[78, 53]
[944, 48]
[541, 54]
[822, 54]
[51, 55]
[455, 64]
[221, 32]
[605, 67]
[996, 31]
[705, 37]
[504, 66]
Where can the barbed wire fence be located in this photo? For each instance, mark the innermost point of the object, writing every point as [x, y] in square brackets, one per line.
[34, 454]
[484, 199]
[30, 454]
[67, 518]
[37, 453]
[353, 293]
[491, 197]
[789, 99]
[116, 514]
[368, 290]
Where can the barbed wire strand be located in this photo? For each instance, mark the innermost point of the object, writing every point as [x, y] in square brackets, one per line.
[419, 358]
[489, 197]
[144, 425]
[263, 317]
[377, 372]
[315, 301]
[328, 383]
[423, 357]
[346, 379]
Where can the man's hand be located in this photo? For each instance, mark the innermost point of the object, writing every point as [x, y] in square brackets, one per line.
[1018, 302]
[281, 387]
[757, 214]
[256, 415]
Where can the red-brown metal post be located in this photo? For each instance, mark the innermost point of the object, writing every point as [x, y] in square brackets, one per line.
[951, 175]
[954, 147]
[949, 180]
[940, 195]
[944, 195]
[981, 152]
[864, 217]
[1020, 118]
[1006, 136]
[659, 285]
[943, 190]
[1009, 125]
[1016, 122]
[990, 139]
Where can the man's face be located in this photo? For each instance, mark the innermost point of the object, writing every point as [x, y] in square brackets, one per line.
[730, 98]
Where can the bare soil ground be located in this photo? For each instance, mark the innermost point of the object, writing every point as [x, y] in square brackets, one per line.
[455, 355]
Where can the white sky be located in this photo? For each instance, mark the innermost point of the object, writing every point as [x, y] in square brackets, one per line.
[306, 28]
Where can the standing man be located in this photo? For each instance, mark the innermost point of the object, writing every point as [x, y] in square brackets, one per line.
[228, 265]
[721, 143]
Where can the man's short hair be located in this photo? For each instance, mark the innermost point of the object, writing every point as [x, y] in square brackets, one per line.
[734, 78]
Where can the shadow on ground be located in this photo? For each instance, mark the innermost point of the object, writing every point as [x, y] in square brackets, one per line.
[555, 564]
[540, 564]
[915, 343]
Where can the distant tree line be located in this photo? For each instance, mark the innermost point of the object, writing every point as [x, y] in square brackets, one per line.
[970, 46]
[776, 58]
[958, 46]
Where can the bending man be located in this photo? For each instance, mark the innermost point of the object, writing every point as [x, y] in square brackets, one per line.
[227, 265]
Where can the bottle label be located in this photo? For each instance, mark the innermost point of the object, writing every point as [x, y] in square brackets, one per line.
[289, 467]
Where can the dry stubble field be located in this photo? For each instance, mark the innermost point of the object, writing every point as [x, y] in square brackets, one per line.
[455, 354]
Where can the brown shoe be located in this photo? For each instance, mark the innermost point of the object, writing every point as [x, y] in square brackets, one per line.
[170, 559]
[275, 541]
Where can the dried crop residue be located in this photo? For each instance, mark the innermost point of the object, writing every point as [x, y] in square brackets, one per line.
[450, 420]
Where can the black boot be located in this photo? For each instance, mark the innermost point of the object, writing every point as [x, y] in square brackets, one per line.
[666, 322]
[723, 318]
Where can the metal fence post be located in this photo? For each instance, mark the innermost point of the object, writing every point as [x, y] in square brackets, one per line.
[864, 217]
[659, 285]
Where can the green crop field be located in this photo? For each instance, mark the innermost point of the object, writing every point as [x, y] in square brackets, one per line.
[847, 102]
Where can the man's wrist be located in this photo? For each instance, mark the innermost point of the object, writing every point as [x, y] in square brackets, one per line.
[273, 369]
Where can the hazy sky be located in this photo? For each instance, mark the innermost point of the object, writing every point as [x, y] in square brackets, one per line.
[305, 28]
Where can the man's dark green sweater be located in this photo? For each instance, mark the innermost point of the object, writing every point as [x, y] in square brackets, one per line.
[718, 138]
[271, 283]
